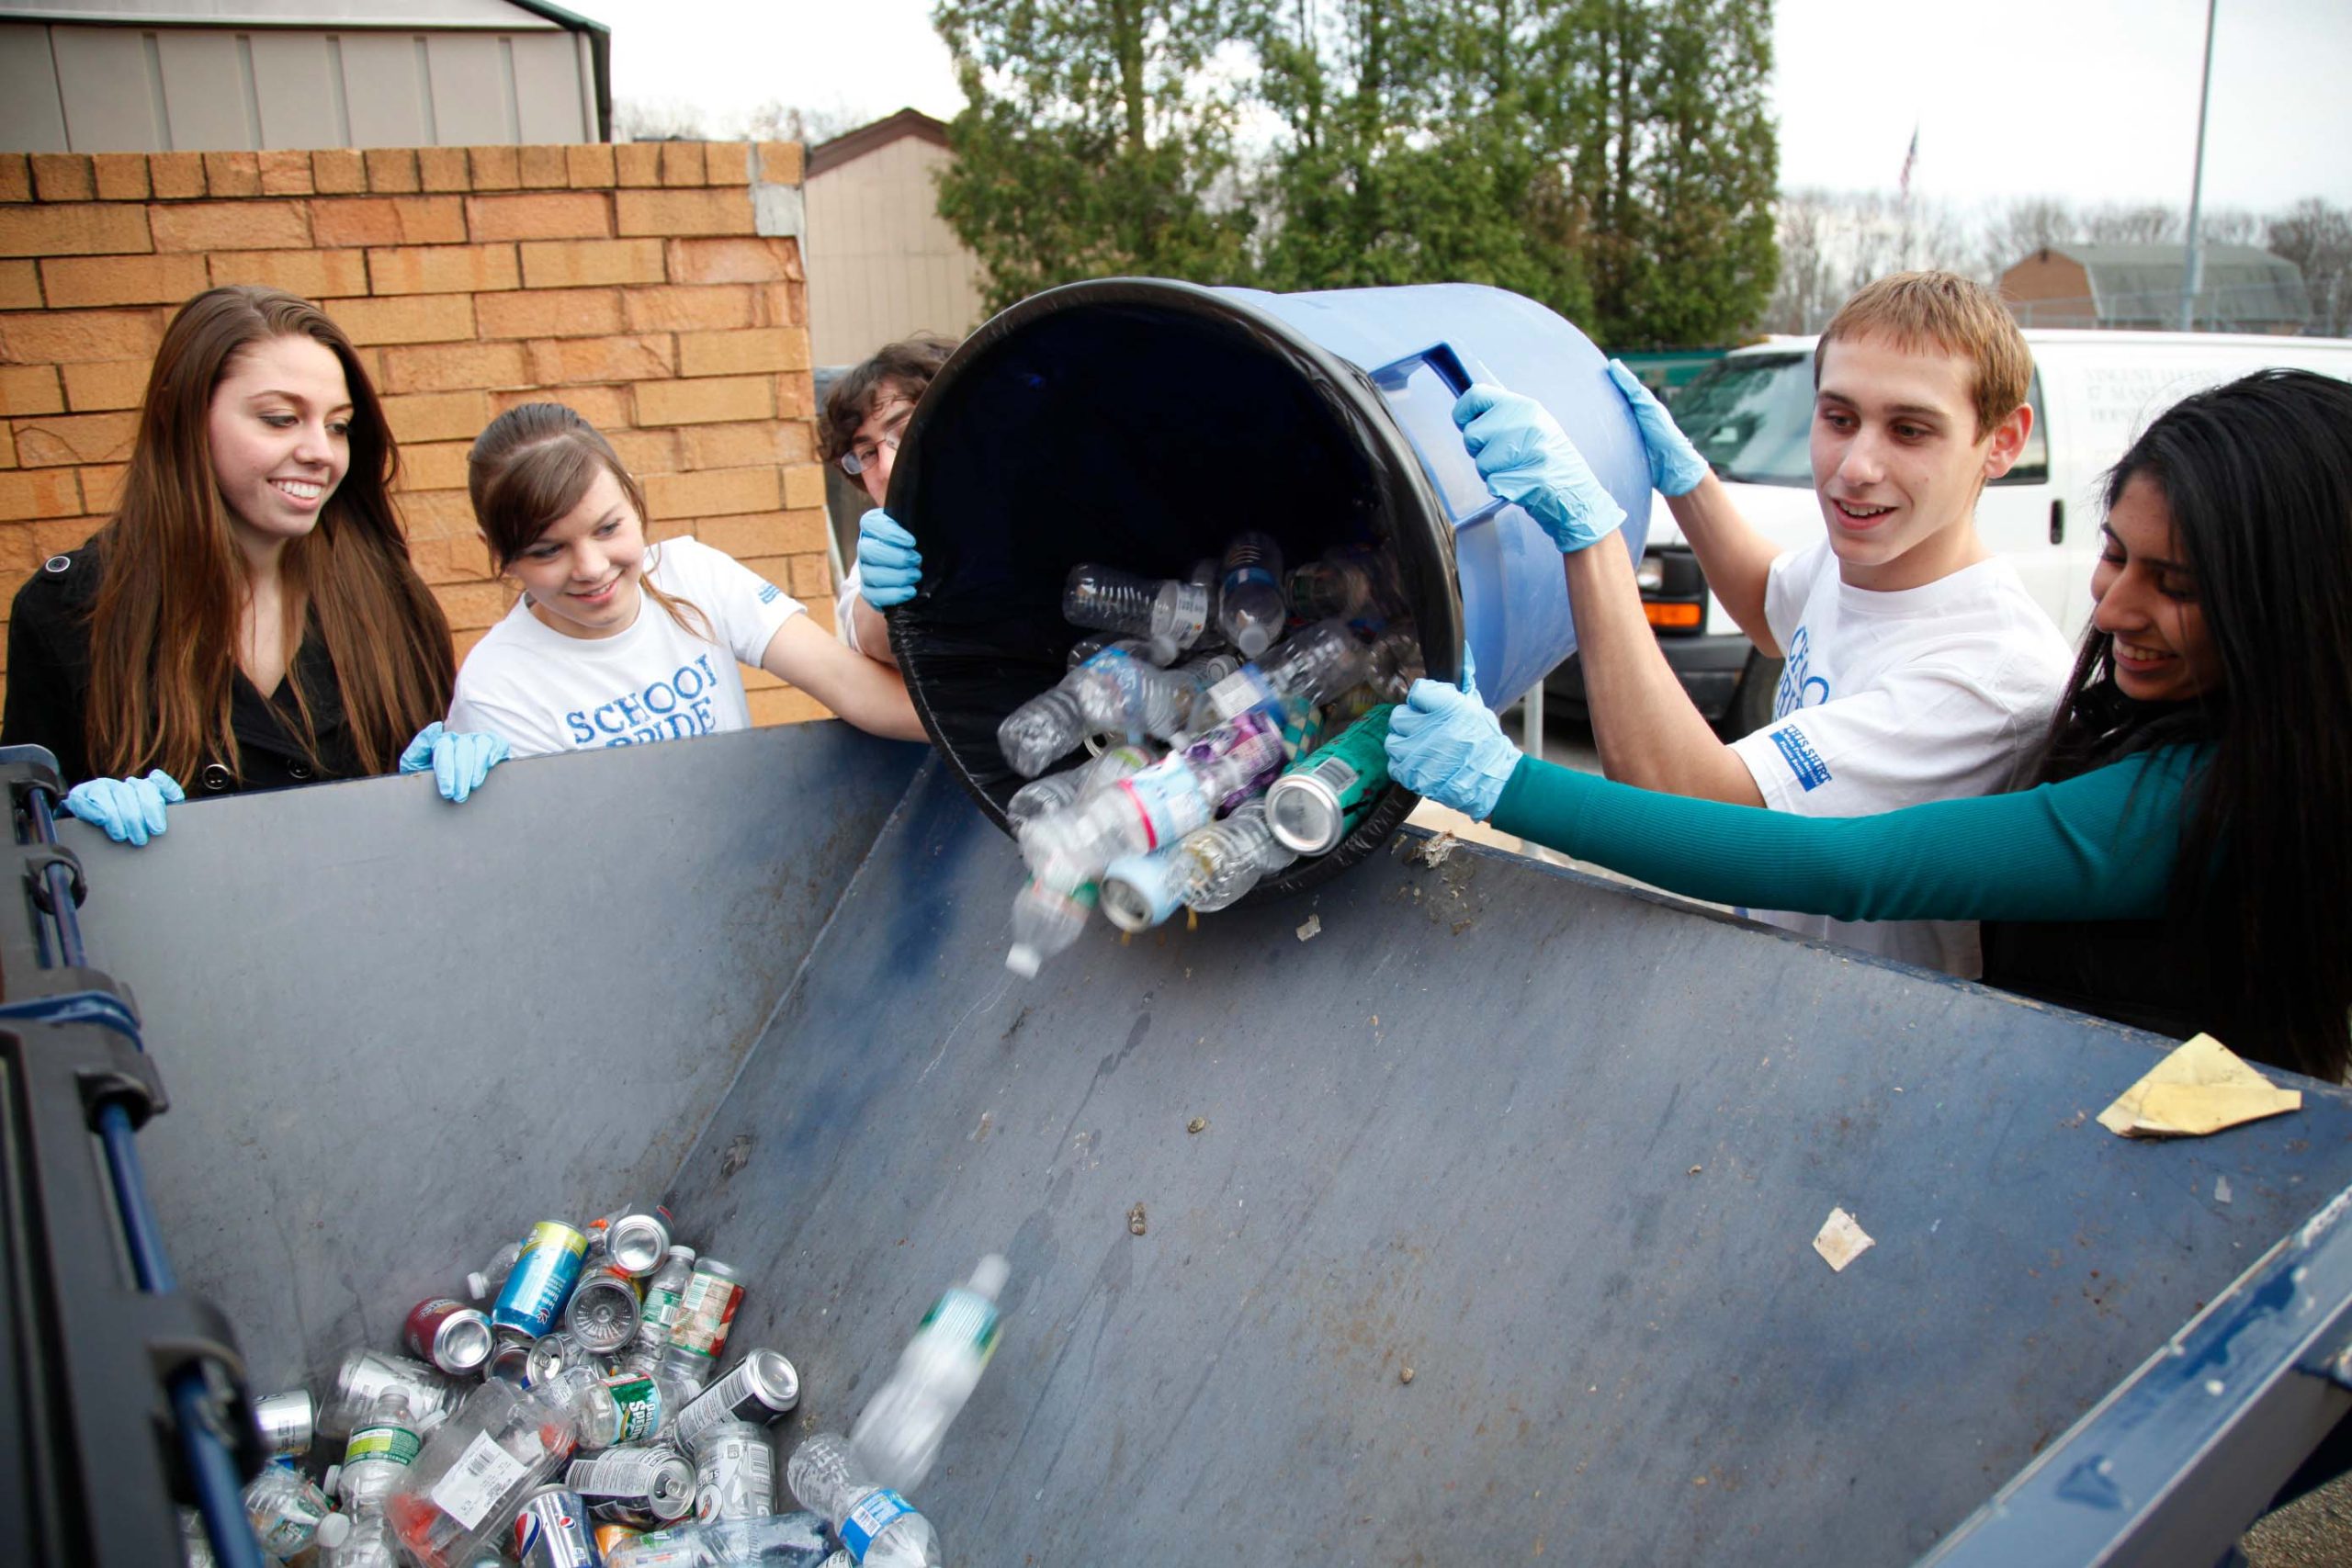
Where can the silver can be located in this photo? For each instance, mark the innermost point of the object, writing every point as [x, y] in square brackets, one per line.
[635, 1238]
[734, 1473]
[759, 1390]
[552, 1530]
[635, 1485]
[287, 1422]
[603, 1312]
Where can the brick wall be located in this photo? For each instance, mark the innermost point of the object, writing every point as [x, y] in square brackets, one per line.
[656, 288]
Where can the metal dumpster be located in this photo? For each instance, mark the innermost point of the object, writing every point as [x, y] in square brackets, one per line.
[1494, 1242]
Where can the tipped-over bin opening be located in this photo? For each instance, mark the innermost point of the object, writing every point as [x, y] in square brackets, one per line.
[1138, 424]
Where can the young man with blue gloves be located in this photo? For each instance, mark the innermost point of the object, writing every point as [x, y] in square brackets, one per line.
[865, 415]
[1919, 668]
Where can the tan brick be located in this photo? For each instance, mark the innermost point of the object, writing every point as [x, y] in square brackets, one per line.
[436, 514]
[682, 163]
[285, 173]
[449, 367]
[765, 534]
[434, 465]
[102, 487]
[175, 176]
[105, 384]
[30, 390]
[550, 215]
[232, 173]
[638, 162]
[743, 353]
[644, 452]
[804, 485]
[230, 226]
[469, 605]
[549, 264]
[442, 269]
[707, 307]
[550, 312]
[70, 440]
[668, 212]
[705, 403]
[557, 362]
[589, 167]
[779, 163]
[740, 446]
[821, 612]
[727, 164]
[314, 274]
[410, 318]
[120, 176]
[19, 285]
[15, 178]
[70, 281]
[542, 167]
[734, 261]
[443, 168]
[39, 492]
[812, 578]
[54, 535]
[796, 395]
[8, 448]
[715, 494]
[493, 168]
[391, 171]
[785, 705]
[607, 408]
[339, 171]
[63, 176]
[77, 230]
[437, 416]
[458, 560]
[390, 221]
[780, 304]
[54, 337]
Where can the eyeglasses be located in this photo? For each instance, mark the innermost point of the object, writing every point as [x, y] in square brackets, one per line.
[863, 455]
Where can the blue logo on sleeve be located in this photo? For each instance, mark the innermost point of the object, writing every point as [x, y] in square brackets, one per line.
[1803, 760]
[770, 593]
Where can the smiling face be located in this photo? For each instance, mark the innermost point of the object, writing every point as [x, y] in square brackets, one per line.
[279, 424]
[583, 573]
[2144, 596]
[1897, 460]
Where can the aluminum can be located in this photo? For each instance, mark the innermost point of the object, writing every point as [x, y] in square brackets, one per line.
[533, 1297]
[559, 1353]
[366, 1376]
[510, 1356]
[707, 1309]
[734, 1473]
[635, 1485]
[287, 1422]
[637, 1239]
[552, 1531]
[449, 1333]
[760, 1389]
[1309, 807]
[603, 1312]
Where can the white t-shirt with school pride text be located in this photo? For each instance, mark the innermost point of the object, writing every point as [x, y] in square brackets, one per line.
[545, 691]
[1935, 693]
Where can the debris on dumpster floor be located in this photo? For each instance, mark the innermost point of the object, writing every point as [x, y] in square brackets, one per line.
[1404, 1374]
[2202, 1088]
[1136, 1220]
[1197, 1124]
[1435, 851]
[1312, 929]
[1841, 1240]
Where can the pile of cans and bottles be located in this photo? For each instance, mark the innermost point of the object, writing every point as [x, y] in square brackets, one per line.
[584, 1420]
[1238, 719]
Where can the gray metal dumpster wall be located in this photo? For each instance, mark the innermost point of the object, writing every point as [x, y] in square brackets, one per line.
[1559, 1148]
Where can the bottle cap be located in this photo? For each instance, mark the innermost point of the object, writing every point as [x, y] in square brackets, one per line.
[329, 1483]
[989, 1276]
[1022, 961]
[476, 1286]
[685, 1252]
[334, 1531]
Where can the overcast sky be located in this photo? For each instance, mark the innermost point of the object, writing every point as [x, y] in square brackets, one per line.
[2093, 100]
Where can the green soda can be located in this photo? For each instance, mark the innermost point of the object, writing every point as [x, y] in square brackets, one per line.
[1318, 798]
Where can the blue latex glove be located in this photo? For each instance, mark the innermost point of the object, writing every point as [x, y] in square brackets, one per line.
[460, 759]
[888, 565]
[1676, 467]
[1444, 746]
[1526, 458]
[129, 810]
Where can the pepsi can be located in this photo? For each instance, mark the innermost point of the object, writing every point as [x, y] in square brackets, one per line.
[534, 1295]
[552, 1531]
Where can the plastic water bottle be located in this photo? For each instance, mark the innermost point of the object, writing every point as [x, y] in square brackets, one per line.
[369, 1545]
[899, 1436]
[1114, 693]
[1208, 870]
[880, 1529]
[1169, 614]
[1250, 606]
[1313, 666]
[659, 1312]
[627, 1407]
[1156, 807]
[492, 1274]
[1045, 922]
[377, 1457]
[290, 1513]
[1055, 791]
[474, 1472]
[780, 1540]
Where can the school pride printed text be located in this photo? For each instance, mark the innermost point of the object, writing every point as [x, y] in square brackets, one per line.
[680, 704]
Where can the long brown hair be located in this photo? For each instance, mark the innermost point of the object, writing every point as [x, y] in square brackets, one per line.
[163, 626]
[529, 469]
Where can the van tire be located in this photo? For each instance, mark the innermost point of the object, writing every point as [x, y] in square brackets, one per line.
[1752, 704]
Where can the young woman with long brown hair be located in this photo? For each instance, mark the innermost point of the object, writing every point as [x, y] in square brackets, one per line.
[249, 619]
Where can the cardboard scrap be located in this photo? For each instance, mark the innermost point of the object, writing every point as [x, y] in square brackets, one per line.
[1312, 929]
[1841, 1241]
[2202, 1088]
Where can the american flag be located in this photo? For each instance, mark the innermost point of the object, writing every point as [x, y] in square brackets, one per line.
[1908, 159]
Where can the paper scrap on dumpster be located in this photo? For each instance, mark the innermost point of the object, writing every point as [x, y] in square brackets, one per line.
[1840, 1240]
[1434, 851]
[1313, 928]
[2202, 1088]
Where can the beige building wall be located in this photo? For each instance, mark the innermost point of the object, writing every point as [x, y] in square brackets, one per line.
[882, 262]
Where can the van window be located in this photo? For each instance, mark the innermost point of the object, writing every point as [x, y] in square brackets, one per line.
[1751, 416]
[2032, 467]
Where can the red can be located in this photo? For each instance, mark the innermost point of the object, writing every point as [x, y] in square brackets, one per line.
[449, 1333]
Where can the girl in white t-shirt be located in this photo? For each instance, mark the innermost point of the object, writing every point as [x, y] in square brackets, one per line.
[582, 661]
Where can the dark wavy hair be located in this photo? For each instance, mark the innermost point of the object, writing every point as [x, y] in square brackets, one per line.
[2257, 477]
[905, 368]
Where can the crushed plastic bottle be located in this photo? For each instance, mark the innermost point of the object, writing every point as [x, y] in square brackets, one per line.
[291, 1513]
[1157, 805]
[366, 1376]
[369, 1545]
[1209, 869]
[627, 1407]
[1249, 605]
[377, 1457]
[492, 1274]
[880, 1529]
[1045, 922]
[1168, 614]
[475, 1472]
[781, 1540]
[1114, 694]
[1313, 666]
[1055, 791]
[898, 1437]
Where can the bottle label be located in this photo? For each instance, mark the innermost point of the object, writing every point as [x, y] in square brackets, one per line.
[1168, 796]
[704, 1313]
[620, 1473]
[1238, 693]
[482, 1477]
[661, 1310]
[638, 1401]
[395, 1445]
[876, 1512]
[965, 1316]
[1248, 577]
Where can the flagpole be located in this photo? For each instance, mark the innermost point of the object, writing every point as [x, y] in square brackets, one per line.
[2192, 276]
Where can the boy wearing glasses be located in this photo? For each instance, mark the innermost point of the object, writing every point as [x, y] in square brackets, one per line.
[864, 416]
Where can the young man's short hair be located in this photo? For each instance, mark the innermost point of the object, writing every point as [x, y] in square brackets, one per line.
[1923, 310]
[906, 366]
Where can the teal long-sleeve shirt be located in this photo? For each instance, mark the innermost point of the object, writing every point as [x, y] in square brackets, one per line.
[2098, 847]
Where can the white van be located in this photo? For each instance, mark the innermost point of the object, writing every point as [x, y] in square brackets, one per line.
[1751, 414]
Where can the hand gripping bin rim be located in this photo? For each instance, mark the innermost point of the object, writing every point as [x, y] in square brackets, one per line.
[973, 611]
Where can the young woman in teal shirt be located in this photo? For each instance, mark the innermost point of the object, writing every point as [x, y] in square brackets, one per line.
[2184, 859]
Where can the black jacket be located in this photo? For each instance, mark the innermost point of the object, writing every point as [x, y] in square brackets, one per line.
[49, 694]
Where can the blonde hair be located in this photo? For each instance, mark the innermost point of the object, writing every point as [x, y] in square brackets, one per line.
[1917, 311]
